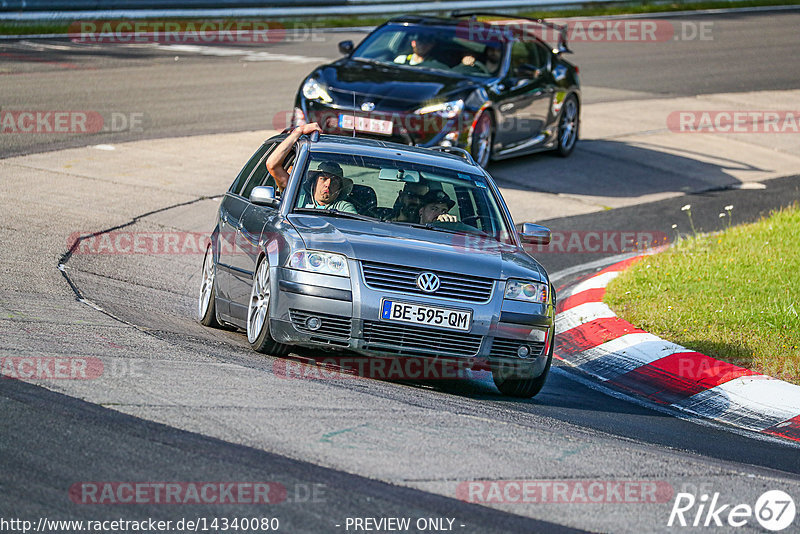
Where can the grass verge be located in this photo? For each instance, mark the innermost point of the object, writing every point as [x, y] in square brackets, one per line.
[734, 295]
[612, 8]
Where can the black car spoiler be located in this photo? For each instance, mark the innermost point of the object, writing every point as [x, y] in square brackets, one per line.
[563, 47]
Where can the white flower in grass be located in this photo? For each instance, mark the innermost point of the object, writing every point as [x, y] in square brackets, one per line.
[687, 207]
[729, 207]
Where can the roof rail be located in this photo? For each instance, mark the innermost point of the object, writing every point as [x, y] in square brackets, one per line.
[454, 150]
[561, 28]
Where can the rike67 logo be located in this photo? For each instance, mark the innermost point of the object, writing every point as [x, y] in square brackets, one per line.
[774, 510]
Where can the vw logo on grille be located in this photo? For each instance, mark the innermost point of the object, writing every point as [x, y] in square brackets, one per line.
[367, 106]
[428, 282]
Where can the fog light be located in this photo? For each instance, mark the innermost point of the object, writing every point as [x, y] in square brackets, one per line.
[523, 351]
[313, 323]
[446, 142]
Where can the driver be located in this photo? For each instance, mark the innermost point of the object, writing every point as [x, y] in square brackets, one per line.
[422, 48]
[435, 205]
[406, 207]
[327, 185]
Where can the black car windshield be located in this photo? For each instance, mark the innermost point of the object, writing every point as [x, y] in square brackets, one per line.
[452, 49]
[402, 193]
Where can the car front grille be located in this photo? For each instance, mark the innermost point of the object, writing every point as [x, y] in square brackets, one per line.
[334, 330]
[507, 348]
[410, 340]
[404, 279]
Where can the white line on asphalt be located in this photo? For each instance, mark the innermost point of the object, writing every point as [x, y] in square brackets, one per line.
[249, 55]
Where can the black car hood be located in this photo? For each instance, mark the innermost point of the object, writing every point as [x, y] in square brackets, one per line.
[416, 247]
[389, 87]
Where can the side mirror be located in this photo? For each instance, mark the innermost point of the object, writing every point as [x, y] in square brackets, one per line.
[264, 196]
[346, 47]
[535, 234]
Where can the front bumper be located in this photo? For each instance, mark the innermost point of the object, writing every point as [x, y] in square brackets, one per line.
[350, 319]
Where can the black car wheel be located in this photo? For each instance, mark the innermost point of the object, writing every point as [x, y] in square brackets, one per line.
[482, 137]
[258, 314]
[510, 383]
[568, 127]
[206, 305]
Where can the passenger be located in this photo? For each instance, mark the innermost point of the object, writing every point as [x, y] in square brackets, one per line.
[422, 46]
[493, 60]
[435, 205]
[406, 207]
[328, 184]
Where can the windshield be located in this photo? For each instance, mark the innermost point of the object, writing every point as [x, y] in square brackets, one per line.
[443, 48]
[400, 193]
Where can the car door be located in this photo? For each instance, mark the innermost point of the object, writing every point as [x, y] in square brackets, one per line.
[230, 211]
[246, 247]
[523, 98]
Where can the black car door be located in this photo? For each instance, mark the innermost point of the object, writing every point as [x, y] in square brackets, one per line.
[524, 96]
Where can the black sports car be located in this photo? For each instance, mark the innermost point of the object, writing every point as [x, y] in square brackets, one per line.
[493, 87]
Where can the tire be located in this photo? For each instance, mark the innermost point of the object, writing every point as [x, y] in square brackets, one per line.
[523, 388]
[258, 314]
[568, 127]
[206, 303]
[482, 138]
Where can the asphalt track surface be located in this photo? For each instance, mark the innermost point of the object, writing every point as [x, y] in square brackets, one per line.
[50, 441]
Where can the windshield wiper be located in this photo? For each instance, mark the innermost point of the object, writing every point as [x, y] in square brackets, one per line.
[431, 226]
[334, 213]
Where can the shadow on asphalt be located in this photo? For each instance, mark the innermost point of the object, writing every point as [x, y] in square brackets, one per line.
[618, 169]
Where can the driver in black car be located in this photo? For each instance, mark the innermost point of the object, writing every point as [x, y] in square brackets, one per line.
[422, 48]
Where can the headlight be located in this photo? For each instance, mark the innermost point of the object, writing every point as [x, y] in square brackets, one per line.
[448, 110]
[319, 262]
[313, 90]
[526, 291]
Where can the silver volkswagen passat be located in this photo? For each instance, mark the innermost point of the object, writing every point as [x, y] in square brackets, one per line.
[384, 250]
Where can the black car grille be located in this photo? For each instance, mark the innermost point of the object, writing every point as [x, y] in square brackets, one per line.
[404, 279]
[334, 330]
[409, 340]
[507, 348]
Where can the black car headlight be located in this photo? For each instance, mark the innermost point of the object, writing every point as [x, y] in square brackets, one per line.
[313, 90]
[535, 292]
[448, 110]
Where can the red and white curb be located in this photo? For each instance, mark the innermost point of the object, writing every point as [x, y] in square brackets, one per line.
[592, 338]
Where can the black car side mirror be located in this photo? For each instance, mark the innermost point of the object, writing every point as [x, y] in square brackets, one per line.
[346, 47]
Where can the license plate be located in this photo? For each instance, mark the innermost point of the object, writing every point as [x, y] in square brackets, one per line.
[407, 312]
[365, 124]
